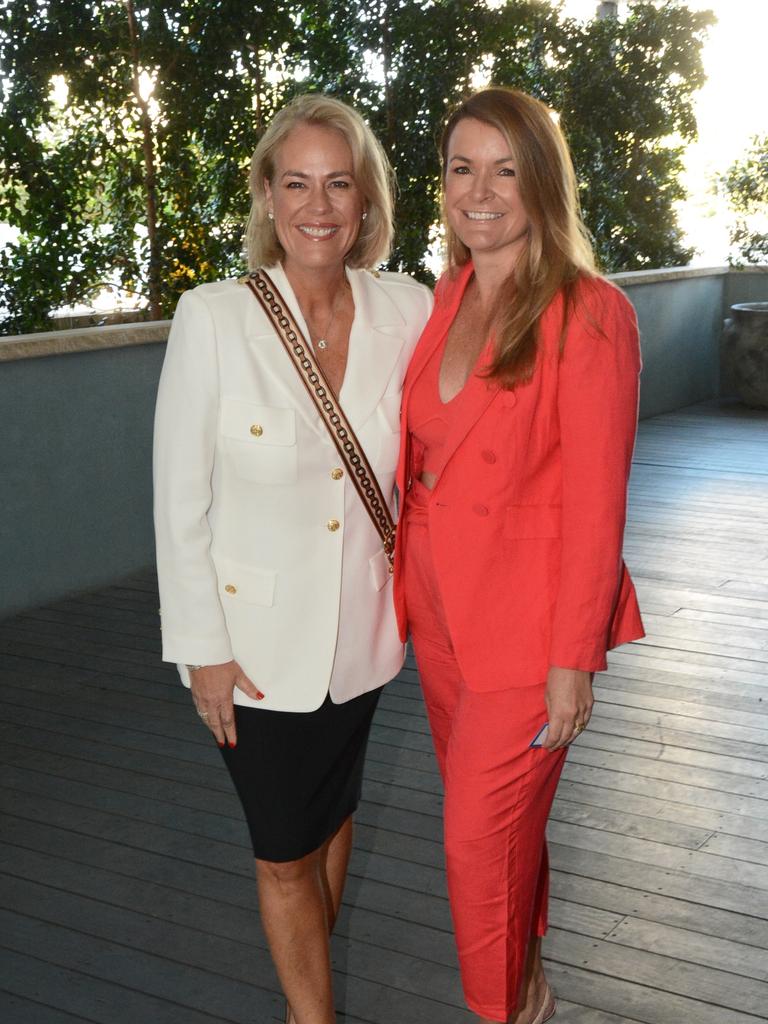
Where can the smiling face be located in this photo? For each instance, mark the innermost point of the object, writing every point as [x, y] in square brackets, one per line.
[313, 196]
[481, 193]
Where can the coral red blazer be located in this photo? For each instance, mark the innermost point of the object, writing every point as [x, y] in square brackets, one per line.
[527, 516]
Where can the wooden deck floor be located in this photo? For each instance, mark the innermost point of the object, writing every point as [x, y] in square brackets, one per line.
[125, 869]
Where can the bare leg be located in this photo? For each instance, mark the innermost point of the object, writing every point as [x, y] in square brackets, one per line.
[336, 852]
[533, 991]
[293, 911]
[333, 860]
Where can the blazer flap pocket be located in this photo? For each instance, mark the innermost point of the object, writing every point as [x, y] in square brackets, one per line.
[247, 584]
[524, 522]
[257, 424]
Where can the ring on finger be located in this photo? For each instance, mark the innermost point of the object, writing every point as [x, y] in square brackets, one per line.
[204, 715]
[579, 727]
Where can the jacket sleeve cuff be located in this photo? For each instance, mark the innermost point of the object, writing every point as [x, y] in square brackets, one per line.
[583, 657]
[191, 650]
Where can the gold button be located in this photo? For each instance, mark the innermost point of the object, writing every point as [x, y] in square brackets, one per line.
[333, 525]
[337, 474]
[231, 588]
[257, 430]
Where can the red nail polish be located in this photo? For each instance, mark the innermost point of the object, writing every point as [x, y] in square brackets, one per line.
[221, 745]
[260, 697]
[232, 745]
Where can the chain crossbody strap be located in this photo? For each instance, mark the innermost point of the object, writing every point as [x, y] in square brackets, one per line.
[331, 413]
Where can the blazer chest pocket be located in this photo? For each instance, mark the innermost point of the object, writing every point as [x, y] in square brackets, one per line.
[531, 522]
[260, 441]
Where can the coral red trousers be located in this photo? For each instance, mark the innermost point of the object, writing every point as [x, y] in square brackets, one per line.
[498, 793]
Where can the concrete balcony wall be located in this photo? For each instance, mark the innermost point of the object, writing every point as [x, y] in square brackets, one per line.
[76, 410]
[75, 469]
[679, 312]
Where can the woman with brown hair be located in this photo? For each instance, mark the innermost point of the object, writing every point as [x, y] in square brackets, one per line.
[518, 422]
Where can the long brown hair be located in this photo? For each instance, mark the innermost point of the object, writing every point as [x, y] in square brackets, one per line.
[558, 250]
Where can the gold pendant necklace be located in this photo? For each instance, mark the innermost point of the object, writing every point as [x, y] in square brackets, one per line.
[322, 342]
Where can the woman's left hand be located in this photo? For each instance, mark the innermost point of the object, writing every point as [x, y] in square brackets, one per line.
[569, 705]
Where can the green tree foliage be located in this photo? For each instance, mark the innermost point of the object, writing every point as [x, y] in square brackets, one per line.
[745, 185]
[625, 93]
[150, 191]
[147, 190]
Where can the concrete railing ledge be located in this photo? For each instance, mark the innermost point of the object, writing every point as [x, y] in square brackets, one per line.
[85, 339]
[634, 277]
[82, 339]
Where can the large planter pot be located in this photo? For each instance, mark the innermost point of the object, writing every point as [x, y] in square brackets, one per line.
[746, 345]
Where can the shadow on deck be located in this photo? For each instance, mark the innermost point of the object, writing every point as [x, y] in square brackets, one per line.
[126, 876]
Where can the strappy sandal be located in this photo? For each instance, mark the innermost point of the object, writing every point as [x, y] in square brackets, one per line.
[547, 1010]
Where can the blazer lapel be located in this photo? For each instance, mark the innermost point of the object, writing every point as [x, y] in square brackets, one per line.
[273, 359]
[442, 317]
[375, 343]
[478, 392]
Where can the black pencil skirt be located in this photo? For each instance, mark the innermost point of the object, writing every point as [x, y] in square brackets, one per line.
[299, 774]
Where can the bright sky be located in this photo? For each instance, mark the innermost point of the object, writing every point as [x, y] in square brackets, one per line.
[730, 109]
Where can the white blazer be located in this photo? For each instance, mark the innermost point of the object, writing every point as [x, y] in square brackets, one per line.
[245, 492]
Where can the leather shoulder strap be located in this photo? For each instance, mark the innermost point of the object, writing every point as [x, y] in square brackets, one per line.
[327, 405]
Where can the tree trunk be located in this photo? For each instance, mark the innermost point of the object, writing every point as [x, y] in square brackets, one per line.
[154, 276]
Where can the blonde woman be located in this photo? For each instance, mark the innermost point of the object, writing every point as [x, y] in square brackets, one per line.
[519, 415]
[275, 590]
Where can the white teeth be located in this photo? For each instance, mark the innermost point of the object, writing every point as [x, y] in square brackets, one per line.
[481, 215]
[317, 232]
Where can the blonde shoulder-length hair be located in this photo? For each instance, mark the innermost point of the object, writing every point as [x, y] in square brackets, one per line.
[372, 173]
[558, 252]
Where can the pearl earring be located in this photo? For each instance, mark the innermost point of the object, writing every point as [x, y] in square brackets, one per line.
[271, 215]
[365, 214]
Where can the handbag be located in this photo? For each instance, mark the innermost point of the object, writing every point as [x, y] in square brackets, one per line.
[343, 436]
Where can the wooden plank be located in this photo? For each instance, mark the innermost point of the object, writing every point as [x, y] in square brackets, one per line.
[741, 755]
[676, 765]
[670, 833]
[663, 788]
[753, 878]
[588, 862]
[626, 703]
[42, 629]
[636, 896]
[708, 693]
[718, 992]
[60, 641]
[17, 1010]
[694, 947]
[754, 620]
[648, 1004]
[658, 809]
[87, 996]
[738, 848]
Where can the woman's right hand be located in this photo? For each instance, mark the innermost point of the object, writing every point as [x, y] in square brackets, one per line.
[212, 688]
